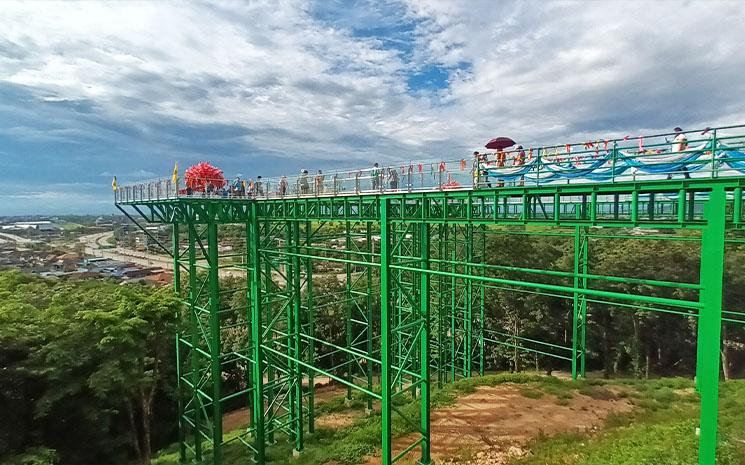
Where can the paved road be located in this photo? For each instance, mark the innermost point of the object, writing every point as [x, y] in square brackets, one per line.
[93, 245]
[18, 239]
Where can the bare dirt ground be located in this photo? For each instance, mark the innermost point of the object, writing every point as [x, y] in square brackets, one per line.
[339, 420]
[494, 424]
[324, 390]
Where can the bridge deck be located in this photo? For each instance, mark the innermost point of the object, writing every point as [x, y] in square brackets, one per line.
[676, 203]
[422, 255]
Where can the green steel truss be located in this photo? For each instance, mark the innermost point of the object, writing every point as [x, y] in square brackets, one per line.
[423, 256]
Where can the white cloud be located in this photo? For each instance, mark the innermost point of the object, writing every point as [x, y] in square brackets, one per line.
[262, 66]
[566, 69]
[307, 89]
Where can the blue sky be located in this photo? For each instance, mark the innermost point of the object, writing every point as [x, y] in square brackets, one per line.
[95, 89]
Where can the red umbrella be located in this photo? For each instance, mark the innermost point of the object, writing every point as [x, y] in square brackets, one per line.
[499, 143]
[198, 176]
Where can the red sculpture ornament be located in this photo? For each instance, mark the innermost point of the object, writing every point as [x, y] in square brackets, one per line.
[203, 175]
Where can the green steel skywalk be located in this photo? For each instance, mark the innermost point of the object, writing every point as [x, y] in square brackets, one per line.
[422, 255]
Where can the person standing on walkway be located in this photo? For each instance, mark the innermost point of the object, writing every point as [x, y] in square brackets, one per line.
[501, 160]
[303, 182]
[476, 170]
[319, 182]
[680, 144]
[393, 178]
[283, 186]
[375, 173]
[520, 161]
[235, 188]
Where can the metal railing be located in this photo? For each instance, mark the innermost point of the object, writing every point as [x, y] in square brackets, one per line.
[708, 153]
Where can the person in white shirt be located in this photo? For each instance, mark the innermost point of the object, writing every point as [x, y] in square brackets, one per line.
[680, 144]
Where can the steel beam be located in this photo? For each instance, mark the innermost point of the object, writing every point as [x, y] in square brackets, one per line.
[710, 324]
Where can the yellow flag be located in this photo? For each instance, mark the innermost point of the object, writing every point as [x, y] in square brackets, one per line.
[113, 183]
[174, 178]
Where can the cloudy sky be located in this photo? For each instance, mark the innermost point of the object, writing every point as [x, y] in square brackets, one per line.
[93, 89]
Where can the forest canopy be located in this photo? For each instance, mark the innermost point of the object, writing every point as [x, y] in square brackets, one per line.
[88, 367]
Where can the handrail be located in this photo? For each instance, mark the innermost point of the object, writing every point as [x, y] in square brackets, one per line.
[712, 153]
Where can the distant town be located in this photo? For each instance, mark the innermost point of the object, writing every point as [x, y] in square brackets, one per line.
[84, 247]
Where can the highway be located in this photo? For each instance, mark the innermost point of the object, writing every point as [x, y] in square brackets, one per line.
[20, 241]
[95, 245]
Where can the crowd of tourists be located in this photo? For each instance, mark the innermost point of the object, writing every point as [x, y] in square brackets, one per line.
[375, 179]
[387, 179]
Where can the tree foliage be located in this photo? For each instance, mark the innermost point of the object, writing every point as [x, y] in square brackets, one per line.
[87, 364]
[88, 367]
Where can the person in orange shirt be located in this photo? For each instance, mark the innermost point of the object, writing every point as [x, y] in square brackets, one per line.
[520, 161]
[501, 159]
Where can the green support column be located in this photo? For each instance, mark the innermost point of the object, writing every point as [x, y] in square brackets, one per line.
[369, 314]
[710, 322]
[593, 207]
[482, 302]
[348, 311]
[424, 302]
[177, 291]
[215, 346]
[271, 371]
[451, 248]
[441, 354]
[578, 302]
[557, 208]
[691, 204]
[468, 323]
[194, 341]
[385, 333]
[311, 331]
[297, 325]
[256, 334]
[583, 304]
[440, 283]
[681, 206]
[288, 375]
[616, 209]
[250, 365]
[737, 206]
[290, 324]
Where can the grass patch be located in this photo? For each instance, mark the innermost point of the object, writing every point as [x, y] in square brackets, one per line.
[660, 431]
[672, 443]
[69, 226]
[339, 403]
[597, 392]
[665, 395]
[531, 393]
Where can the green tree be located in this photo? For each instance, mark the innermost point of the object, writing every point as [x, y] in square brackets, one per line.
[86, 363]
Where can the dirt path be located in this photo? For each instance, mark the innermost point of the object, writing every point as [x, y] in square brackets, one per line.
[324, 391]
[494, 424]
